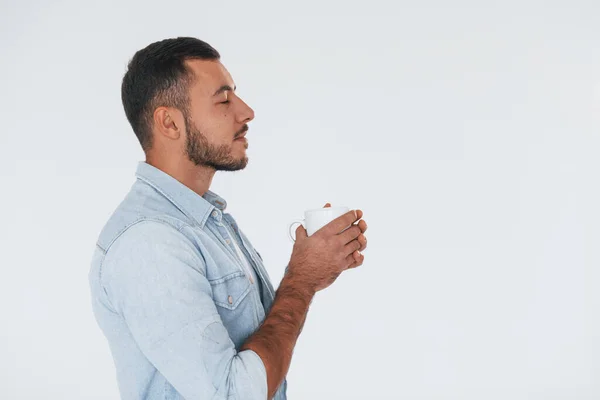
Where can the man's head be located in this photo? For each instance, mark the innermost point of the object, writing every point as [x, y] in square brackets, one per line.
[181, 102]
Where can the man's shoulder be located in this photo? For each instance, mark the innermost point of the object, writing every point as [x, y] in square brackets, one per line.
[141, 204]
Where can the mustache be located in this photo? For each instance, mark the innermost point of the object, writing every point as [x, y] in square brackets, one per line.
[241, 131]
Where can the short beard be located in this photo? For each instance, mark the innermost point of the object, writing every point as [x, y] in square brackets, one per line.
[200, 152]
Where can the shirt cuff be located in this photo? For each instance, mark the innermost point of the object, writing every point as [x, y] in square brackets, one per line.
[251, 367]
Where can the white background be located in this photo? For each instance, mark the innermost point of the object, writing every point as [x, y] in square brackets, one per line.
[468, 132]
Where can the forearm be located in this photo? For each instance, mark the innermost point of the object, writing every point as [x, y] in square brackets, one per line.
[275, 340]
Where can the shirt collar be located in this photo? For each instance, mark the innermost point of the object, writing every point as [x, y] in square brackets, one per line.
[199, 208]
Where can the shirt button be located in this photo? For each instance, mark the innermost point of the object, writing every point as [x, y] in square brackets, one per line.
[230, 299]
[215, 214]
[228, 241]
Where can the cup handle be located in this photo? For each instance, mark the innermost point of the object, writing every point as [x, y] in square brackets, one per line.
[298, 221]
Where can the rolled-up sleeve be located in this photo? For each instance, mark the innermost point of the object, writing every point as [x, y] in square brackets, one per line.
[155, 278]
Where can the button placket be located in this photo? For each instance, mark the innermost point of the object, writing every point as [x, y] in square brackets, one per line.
[225, 236]
[232, 226]
[259, 269]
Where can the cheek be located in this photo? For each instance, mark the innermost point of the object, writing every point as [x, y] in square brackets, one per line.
[224, 121]
[216, 123]
[219, 129]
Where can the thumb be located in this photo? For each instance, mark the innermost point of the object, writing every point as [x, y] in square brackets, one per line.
[301, 233]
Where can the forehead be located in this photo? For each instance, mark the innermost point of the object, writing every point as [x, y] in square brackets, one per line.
[209, 76]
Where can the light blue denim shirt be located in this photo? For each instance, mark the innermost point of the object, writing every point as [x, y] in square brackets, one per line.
[173, 298]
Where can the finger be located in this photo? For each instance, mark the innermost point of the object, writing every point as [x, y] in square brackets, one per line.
[340, 223]
[362, 225]
[354, 260]
[301, 233]
[349, 234]
[352, 247]
[362, 239]
[359, 214]
[327, 205]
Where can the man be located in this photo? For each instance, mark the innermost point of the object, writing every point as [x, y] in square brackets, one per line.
[177, 288]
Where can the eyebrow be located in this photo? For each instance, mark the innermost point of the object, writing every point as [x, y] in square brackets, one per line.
[224, 88]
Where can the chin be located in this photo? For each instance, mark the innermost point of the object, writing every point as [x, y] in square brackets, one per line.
[237, 166]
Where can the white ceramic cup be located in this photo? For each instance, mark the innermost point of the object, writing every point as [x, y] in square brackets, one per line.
[317, 218]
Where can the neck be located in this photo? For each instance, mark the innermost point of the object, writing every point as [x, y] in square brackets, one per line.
[196, 177]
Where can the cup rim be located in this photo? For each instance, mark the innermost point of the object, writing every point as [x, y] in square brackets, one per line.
[327, 209]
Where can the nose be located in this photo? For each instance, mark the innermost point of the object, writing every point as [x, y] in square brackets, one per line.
[246, 113]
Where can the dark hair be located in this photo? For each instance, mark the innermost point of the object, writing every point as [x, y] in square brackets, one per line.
[157, 76]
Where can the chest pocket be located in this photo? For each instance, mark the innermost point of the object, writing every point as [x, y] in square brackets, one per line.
[230, 291]
[233, 298]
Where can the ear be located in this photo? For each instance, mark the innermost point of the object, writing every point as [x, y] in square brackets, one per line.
[169, 122]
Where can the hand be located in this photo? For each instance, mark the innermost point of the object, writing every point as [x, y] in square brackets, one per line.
[318, 260]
